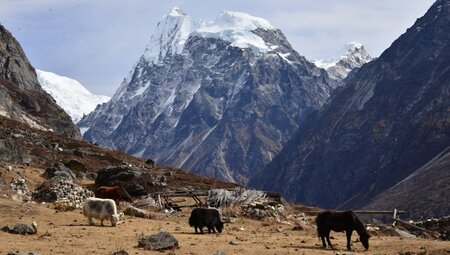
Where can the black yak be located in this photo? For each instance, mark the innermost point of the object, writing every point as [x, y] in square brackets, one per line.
[206, 217]
[341, 221]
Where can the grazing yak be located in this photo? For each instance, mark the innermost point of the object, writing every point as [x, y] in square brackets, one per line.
[206, 217]
[117, 193]
[341, 221]
[102, 209]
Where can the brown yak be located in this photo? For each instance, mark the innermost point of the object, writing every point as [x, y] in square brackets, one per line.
[117, 193]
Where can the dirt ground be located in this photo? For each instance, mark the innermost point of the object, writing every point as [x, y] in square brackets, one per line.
[69, 233]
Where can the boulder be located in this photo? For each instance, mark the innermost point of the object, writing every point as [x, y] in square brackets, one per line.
[159, 241]
[59, 170]
[12, 152]
[76, 166]
[137, 181]
[21, 229]
[136, 212]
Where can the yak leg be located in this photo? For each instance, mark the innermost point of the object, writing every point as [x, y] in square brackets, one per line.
[349, 239]
[101, 222]
[328, 239]
[196, 230]
[201, 229]
[91, 222]
[323, 241]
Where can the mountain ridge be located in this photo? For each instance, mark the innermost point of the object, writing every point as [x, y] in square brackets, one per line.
[390, 119]
[21, 96]
[206, 108]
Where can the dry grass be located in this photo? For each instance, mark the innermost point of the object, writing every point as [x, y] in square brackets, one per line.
[69, 233]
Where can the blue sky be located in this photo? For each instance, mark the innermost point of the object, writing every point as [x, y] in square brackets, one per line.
[97, 41]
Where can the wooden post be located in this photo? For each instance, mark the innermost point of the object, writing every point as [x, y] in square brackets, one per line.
[394, 217]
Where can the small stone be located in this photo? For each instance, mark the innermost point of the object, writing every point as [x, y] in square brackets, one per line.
[232, 242]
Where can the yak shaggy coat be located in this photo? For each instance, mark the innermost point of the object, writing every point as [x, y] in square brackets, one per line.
[101, 209]
[206, 217]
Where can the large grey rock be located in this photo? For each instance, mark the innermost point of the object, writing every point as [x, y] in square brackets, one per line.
[11, 151]
[21, 229]
[159, 241]
[59, 170]
[137, 181]
[76, 166]
[136, 212]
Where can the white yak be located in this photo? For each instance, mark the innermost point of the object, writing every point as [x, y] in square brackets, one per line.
[102, 209]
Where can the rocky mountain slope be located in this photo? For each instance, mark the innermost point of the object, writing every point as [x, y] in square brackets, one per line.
[390, 119]
[424, 187]
[21, 96]
[23, 147]
[217, 98]
[73, 97]
[354, 56]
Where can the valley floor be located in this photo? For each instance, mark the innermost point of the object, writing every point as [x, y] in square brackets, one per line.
[69, 233]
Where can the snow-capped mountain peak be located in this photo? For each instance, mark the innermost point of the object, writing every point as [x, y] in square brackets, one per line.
[199, 85]
[69, 94]
[177, 12]
[175, 28]
[169, 36]
[353, 55]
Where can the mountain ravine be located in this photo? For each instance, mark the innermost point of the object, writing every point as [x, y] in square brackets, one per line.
[391, 118]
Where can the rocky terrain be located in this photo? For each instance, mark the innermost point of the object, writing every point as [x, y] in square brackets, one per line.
[21, 96]
[219, 103]
[69, 233]
[381, 134]
[55, 155]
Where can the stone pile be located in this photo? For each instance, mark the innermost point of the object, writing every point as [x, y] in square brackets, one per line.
[19, 186]
[441, 225]
[263, 210]
[64, 193]
[254, 204]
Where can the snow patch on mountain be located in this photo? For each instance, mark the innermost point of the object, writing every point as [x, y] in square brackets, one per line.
[69, 94]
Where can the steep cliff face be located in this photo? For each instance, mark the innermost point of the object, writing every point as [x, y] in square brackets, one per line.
[216, 98]
[391, 118]
[21, 96]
